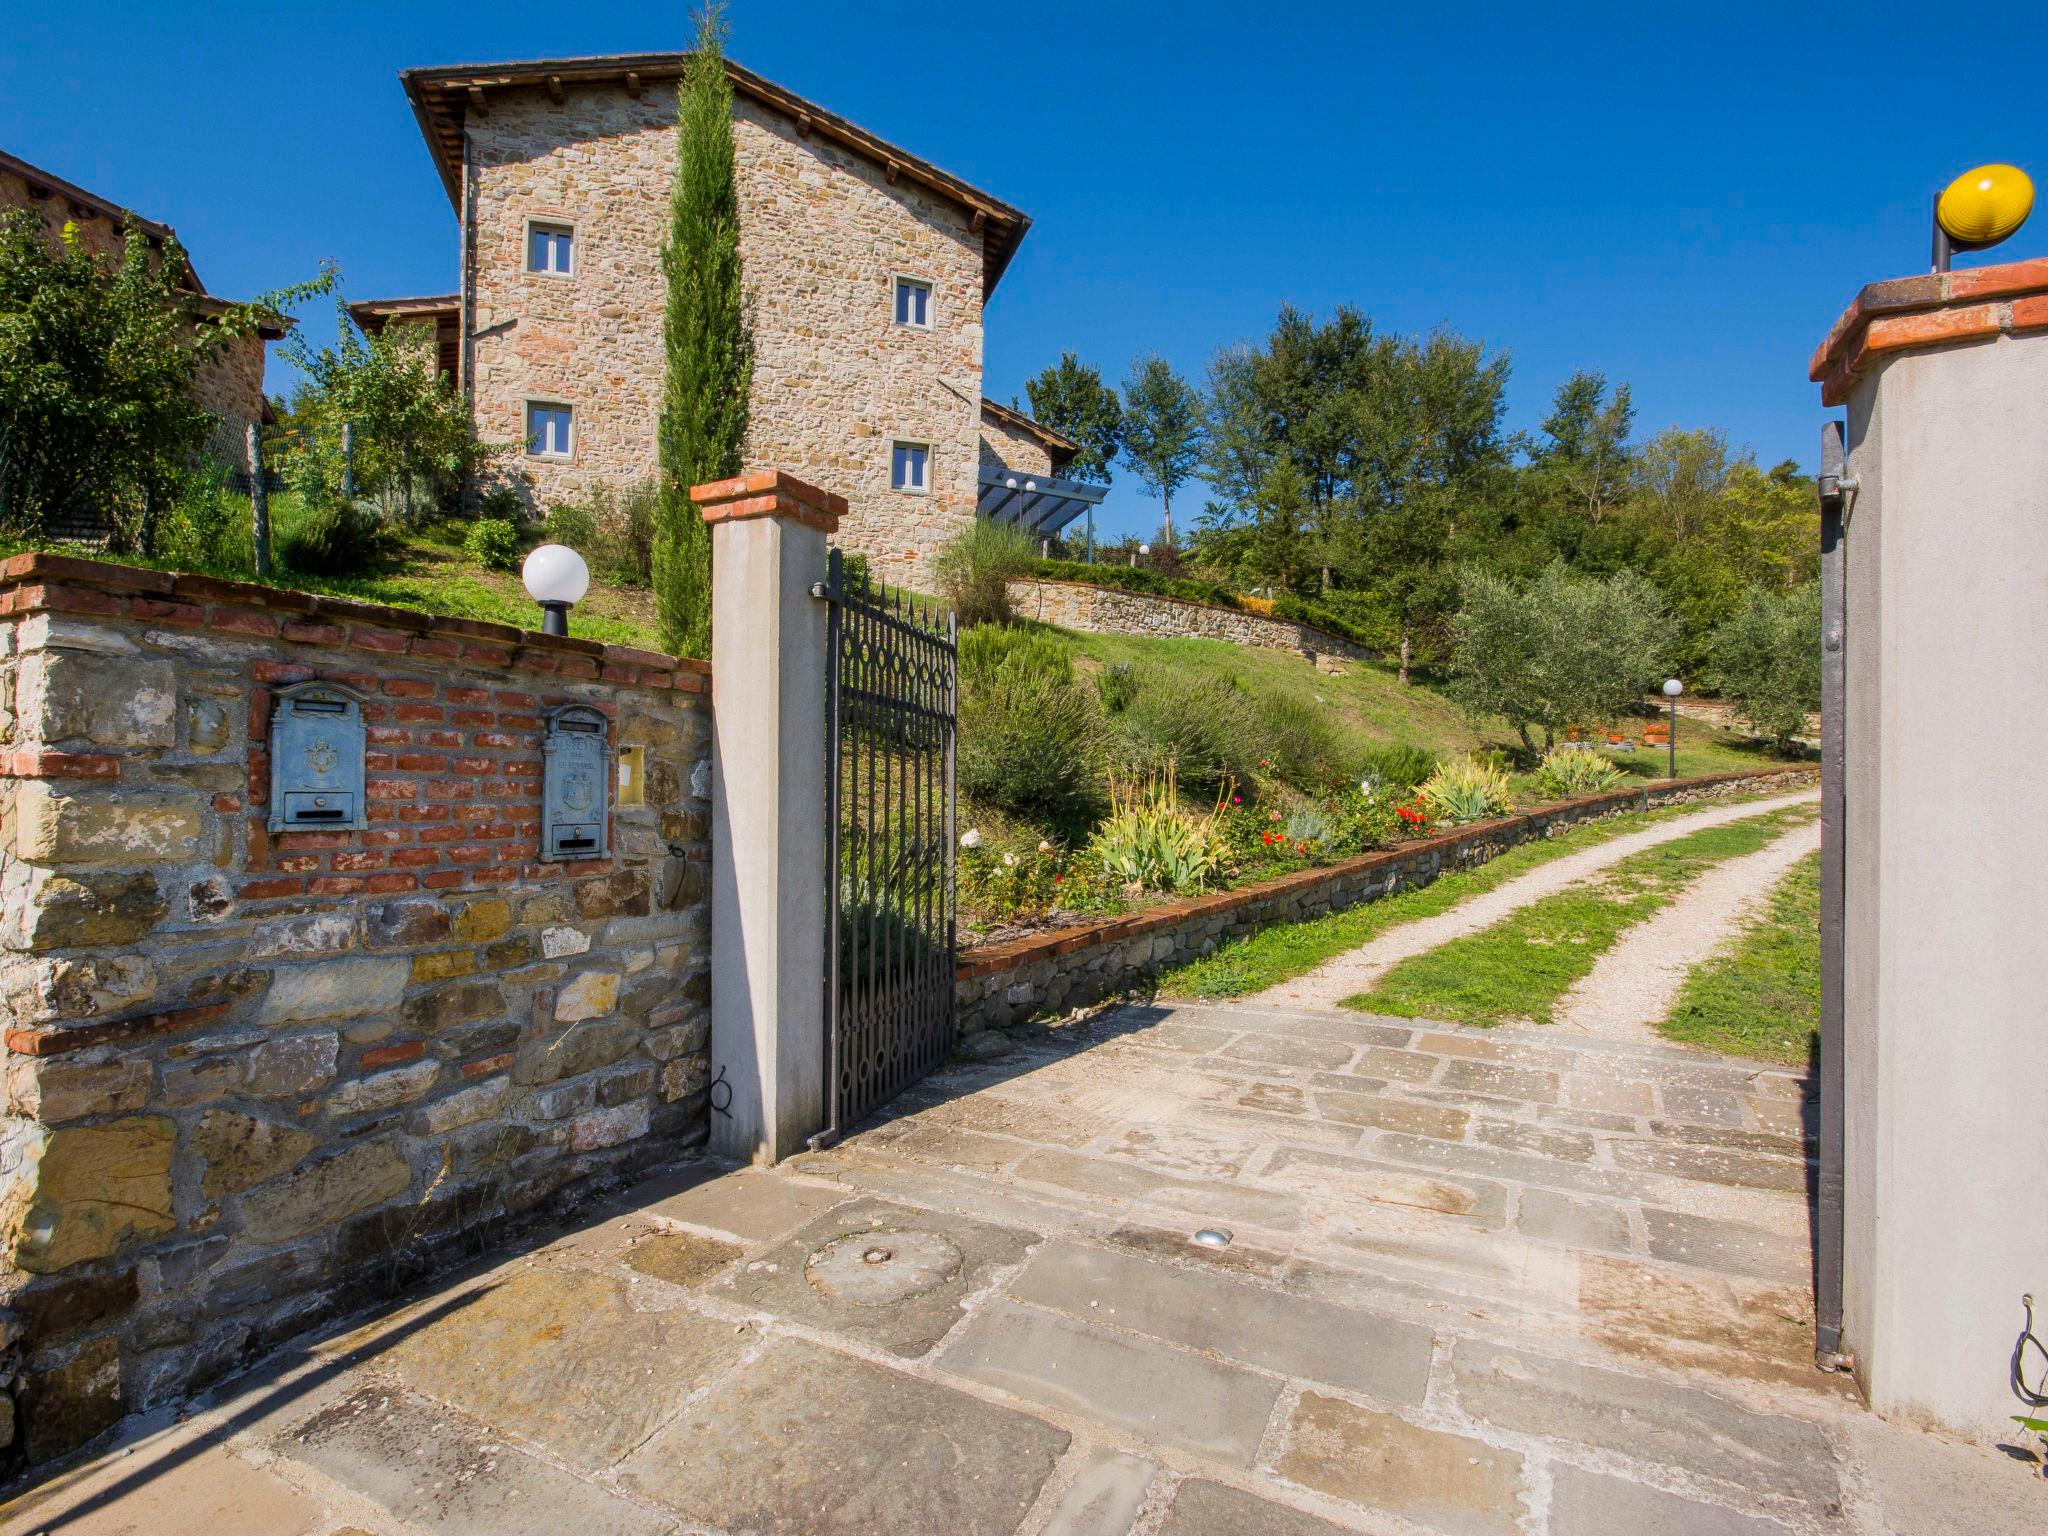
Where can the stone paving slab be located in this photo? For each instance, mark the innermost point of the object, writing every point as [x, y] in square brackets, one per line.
[892, 1275]
[750, 1205]
[170, 1487]
[564, 1360]
[1696, 1432]
[437, 1468]
[1586, 1503]
[810, 1442]
[1203, 1508]
[1153, 1390]
[1295, 1335]
[1447, 1482]
[1105, 1498]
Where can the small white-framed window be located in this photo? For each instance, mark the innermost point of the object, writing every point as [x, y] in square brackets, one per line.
[550, 430]
[550, 248]
[910, 467]
[914, 303]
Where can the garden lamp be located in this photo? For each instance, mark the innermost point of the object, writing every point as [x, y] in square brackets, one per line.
[556, 578]
[1979, 209]
[1672, 689]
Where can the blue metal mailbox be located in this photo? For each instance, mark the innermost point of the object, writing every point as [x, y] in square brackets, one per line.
[316, 759]
[575, 806]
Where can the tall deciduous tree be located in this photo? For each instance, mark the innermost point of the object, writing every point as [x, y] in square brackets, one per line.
[97, 357]
[707, 340]
[1162, 430]
[1071, 398]
[410, 429]
[1766, 658]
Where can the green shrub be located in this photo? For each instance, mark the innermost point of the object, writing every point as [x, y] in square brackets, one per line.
[493, 543]
[974, 570]
[209, 527]
[1029, 737]
[1197, 723]
[329, 538]
[854, 571]
[613, 532]
[1565, 774]
[1468, 790]
[1116, 685]
[1767, 660]
[1396, 765]
[1300, 746]
[1149, 841]
[987, 647]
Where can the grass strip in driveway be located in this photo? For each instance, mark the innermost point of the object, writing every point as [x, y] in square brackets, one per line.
[1522, 965]
[1287, 950]
[1761, 996]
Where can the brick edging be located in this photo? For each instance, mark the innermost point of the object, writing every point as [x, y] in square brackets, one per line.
[990, 959]
[40, 582]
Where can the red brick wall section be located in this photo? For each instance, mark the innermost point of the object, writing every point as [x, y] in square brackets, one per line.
[249, 1078]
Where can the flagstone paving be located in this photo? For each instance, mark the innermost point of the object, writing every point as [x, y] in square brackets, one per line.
[1477, 1284]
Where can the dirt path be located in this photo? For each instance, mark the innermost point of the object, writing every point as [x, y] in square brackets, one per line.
[1349, 974]
[1635, 983]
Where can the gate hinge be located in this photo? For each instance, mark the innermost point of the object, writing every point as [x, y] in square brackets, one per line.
[819, 589]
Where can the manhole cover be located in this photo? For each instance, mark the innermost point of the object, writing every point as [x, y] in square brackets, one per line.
[871, 1269]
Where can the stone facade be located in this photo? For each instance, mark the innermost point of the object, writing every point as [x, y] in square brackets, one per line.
[1114, 611]
[1004, 445]
[1004, 984]
[253, 1078]
[824, 233]
[229, 383]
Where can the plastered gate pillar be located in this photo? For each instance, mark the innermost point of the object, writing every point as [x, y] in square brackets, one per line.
[1945, 892]
[768, 660]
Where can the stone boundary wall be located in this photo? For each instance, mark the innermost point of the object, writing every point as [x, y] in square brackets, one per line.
[1004, 984]
[253, 1080]
[1114, 611]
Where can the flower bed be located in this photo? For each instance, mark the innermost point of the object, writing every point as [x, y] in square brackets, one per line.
[1082, 963]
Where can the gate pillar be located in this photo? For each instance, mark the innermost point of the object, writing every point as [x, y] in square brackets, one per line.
[768, 764]
[1942, 733]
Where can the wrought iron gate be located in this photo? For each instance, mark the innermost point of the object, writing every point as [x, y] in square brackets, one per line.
[890, 694]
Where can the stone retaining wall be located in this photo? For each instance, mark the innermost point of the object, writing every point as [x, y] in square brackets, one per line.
[253, 1079]
[1005, 984]
[1113, 611]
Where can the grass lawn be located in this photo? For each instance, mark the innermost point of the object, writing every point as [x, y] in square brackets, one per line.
[1287, 950]
[1761, 997]
[1521, 966]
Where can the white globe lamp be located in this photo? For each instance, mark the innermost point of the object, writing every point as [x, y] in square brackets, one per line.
[1672, 689]
[556, 578]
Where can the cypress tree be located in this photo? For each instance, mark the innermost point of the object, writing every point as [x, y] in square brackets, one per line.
[707, 341]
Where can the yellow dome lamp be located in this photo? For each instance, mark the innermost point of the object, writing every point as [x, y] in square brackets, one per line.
[1980, 208]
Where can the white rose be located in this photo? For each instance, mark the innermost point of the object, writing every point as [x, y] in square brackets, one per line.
[1009, 861]
[971, 838]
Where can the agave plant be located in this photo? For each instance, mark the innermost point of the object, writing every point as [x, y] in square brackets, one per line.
[1148, 841]
[1565, 774]
[1468, 790]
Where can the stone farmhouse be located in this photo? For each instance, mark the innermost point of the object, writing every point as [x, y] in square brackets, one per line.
[869, 270]
[229, 384]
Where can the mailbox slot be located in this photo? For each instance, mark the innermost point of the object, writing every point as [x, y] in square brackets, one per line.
[576, 774]
[316, 759]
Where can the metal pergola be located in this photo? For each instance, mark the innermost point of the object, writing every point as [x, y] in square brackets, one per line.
[1041, 505]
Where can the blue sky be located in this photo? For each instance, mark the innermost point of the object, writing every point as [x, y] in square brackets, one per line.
[1680, 197]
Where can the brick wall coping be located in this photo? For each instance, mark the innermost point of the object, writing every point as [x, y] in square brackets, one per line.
[991, 958]
[1189, 602]
[38, 582]
[1926, 309]
[770, 493]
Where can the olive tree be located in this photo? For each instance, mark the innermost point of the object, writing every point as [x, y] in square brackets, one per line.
[1562, 650]
[1766, 658]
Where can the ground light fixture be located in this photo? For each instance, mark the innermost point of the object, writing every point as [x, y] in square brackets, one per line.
[1980, 208]
[556, 578]
[1672, 689]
